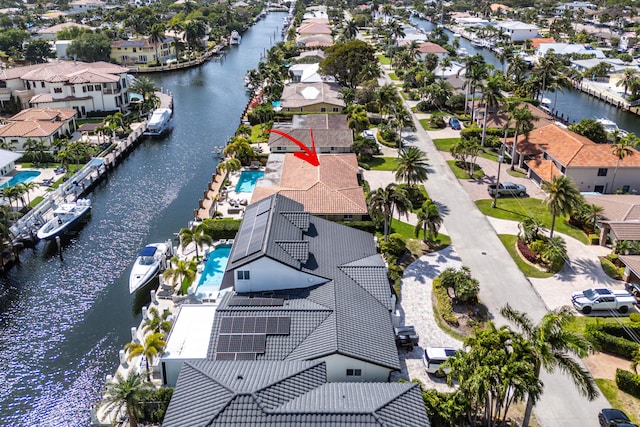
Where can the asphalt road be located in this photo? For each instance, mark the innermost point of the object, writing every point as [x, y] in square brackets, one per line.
[501, 282]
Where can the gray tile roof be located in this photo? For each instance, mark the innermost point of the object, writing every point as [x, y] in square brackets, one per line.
[212, 393]
[348, 315]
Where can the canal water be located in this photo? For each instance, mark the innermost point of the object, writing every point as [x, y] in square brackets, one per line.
[63, 321]
[571, 103]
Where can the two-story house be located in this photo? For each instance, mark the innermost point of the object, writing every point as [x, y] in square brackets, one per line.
[518, 31]
[40, 124]
[143, 51]
[85, 87]
[312, 98]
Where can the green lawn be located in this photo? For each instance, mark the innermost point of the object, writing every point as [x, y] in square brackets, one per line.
[445, 144]
[383, 163]
[579, 323]
[384, 60]
[406, 230]
[393, 76]
[425, 123]
[462, 174]
[258, 134]
[509, 242]
[619, 399]
[516, 173]
[517, 209]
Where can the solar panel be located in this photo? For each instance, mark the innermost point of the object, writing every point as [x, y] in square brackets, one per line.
[255, 301]
[245, 356]
[249, 325]
[225, 325]
[284, 325]
[238, 325]
[225, 356]
[259, 343]
[223, 343]
[261, 325]
[264, 206]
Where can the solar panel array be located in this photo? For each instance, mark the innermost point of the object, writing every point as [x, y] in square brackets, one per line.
[242, 338]
[255, 301]
[253, 231]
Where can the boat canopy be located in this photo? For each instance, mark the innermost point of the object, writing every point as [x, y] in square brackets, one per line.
[148, 251]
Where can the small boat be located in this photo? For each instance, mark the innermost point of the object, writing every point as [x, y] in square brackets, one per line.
[457, 35]
[611, 127]
[477, 43]
[235, 37]
[64, 216]
[545, 105]
[148, 263]
[462, 52]
[159, 122]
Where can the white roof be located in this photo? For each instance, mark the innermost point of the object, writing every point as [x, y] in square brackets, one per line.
[308, 72]
[516, 25]
[568, 49]
[7, 157]
[310, 92]
[189, 337]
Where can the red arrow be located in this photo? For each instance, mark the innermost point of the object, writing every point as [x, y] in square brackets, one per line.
[309, 155]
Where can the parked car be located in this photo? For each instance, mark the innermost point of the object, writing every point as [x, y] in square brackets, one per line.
[610, 417]
[368, 134]
[434, 357]
[455, 123]
[406, 337]
[507, 189]
[603, 299]
[633, 289]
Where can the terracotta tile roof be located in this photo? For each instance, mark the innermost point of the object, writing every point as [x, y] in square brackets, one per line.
[571, 149]
[429, 47]
[617, 207]
[329, 189]
[545, 169]
[103, 72]
[498, 120]
[314, 28]
[535, 43]
[47, 114]
[30, 129]
[59, 27]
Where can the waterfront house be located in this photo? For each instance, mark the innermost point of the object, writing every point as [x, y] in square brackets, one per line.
[142, 51]
[569, 49]
[325, 286]
[8, 161]
[287, 393]
[306, 73]
[312, 98]
[331, 190]
[331, 134]
[85, 87]
[425, 48]
[552, 150]
[40, 124]
[518, 31]
[51, 33]
[79, 6]
[620, 219]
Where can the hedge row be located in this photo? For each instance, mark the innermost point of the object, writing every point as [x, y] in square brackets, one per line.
[610, 343]
[628, 382]
[225, 228]
[616, 329]
[444, 303]
[368, 226]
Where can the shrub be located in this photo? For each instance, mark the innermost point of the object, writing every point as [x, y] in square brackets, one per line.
[612, 339]
[395, 246]
[456, 102]
[368, 226]
[526, 252]
[425, 107]
[415, 195]
[537, 246]
[443, 303]
[437, 122]
[628, 382]
[465, 287]
[222, 228]
[634, 317]
[610, 269]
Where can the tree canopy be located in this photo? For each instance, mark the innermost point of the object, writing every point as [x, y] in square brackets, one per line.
[347, 62]
[592, 129]
[90, 47]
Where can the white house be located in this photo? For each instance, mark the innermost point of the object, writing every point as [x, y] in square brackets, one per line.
[85, 87]
[79, 6]
[569, 49]
[306, 73]
[518, 31]
[8, 161]
[574, 6]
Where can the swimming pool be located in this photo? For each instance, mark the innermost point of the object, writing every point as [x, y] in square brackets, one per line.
[20, 177]
[247, 181]
[213, 271]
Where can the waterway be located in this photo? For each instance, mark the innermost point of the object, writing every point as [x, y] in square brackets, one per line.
[63, 321]
[571, 103]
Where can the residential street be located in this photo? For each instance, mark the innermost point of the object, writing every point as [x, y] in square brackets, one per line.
[478, 247]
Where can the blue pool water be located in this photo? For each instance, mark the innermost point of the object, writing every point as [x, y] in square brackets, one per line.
[211, 278]
[247, 181]
[24, 176]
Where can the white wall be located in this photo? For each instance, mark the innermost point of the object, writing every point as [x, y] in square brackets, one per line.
[338, 364]
[269, 275]
[586, 179]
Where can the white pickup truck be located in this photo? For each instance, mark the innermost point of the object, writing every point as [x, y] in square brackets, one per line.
[603, 299]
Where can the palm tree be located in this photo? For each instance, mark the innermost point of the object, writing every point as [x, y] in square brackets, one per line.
[125, 392]
[229, 165]
[523, 119]
[386, 200]
[620, 150]
[553, 346]
[197, 236]
[156, 35]
[563, 198]
[158, 323]
[145, 87]
[401, 119]
[350, 30]
[474, 76]
[28, 187]
[154, 345]
[429, 219]
[629, 79]
[184, 271]
[491, 94]
[240, 149]
[412, 166]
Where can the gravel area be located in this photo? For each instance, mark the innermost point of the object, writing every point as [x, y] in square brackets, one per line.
[416, 309]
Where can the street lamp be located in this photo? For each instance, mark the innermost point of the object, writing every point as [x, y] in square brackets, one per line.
[495, 195]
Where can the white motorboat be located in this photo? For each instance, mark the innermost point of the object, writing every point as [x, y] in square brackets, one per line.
[545, 105]
[235, 37]
[611, 127]
[477, 42]
[150, 261]
[64, 216]
[159, 123]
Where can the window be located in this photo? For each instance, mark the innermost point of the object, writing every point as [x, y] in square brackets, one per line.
[354, 372]
[323, 109]
[336, 110]
[243, 275]
[625, 188]
[57, 90]
[41, 84]
[348, 217]
[602, 172]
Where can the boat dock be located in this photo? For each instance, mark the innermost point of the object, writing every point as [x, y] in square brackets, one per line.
[83, 181]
